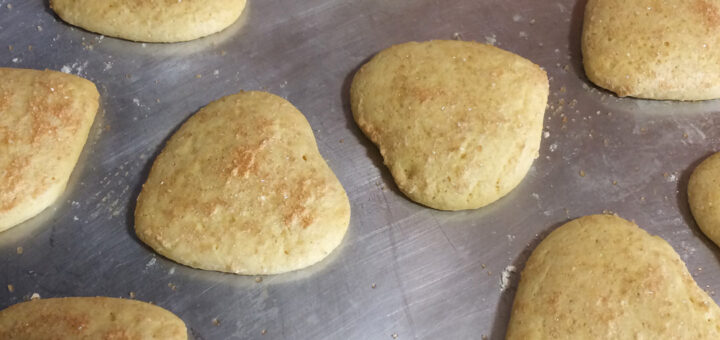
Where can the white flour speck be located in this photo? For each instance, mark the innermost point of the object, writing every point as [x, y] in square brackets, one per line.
[66, 69]
[16, 60]
[505, 277]
[151, 263]
[517, 17]
[546, 134]
[553, 147]
[491, 39]
[136, 101]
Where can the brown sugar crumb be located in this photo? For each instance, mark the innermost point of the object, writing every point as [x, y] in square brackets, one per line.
[582, 173]
[685, 136]
[132, 295]
[11, 288]
[258, 279]
[614, 182]
[10, 48]
[198, 76]
[341, 141]
[20, 250]
[216, 322]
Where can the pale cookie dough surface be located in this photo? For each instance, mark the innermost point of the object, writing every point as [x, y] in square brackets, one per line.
[654, 49]
[242, 188]
[150, 20]
[704, 197]
[45, 118]
[602, 277]
[457, 123]
[89, 318]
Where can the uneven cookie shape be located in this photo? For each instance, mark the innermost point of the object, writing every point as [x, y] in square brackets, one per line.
[150, 20]
[457, 123]
[89, 318]
[45, 118]
[602, 277]
[704, 197]
[242, 188]
[654, 49]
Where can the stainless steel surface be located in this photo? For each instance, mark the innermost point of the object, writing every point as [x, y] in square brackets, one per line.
[403, 269]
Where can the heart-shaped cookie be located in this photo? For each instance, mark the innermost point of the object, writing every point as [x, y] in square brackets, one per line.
[45, 118]
[602, 277]
[150, 20]
[654, 49]
[89, 318]
[458, 123]
[242, 188]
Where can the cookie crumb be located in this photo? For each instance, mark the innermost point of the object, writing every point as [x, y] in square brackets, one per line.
[258, 279]
[172, 286]
[394, 335]
[216, 322]
[582, 173]
[11, 288]
[373, 286]
[35, 296]
[132, 295]
[20, 250]
[263, 331]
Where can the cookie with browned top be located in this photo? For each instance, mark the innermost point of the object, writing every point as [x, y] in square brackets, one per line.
[602, 277]
[458, 123]
[150, 20]
[242, 188]
[89, 318]
[45, 118]
[654, 49]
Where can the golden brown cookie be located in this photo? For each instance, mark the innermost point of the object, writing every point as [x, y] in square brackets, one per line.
[704, 197]
[89, 318]
[150, 20]
[458, 123]
[45, 118]
[602, 277]
[242, 188]
[654, 49]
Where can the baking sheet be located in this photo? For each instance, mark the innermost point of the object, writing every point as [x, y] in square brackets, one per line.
[403, 270]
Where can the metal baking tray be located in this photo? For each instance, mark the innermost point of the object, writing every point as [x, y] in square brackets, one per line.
[403, 270]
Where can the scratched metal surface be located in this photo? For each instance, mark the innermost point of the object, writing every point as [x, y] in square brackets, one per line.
[435, 274]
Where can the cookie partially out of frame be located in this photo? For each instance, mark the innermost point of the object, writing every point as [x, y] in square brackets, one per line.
[458, 123]
[602, 277]
[150, 20]
[242, 188]
[654, 49]
[89, 318]
[704, 197]
[45, 118]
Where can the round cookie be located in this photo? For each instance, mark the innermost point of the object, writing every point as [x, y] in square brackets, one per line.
[458, 123]
[241, 187]
[45, 118]
[602, 277]
[150, 20]
[654, 49]
[89, 318]
[704, 197]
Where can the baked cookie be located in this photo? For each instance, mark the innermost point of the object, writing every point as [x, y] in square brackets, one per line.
[602, 277]
[242, 188]
[458, 123]
[45, 118]
[150, 20]
[654, 49]
[89, 318]
[704, 197]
